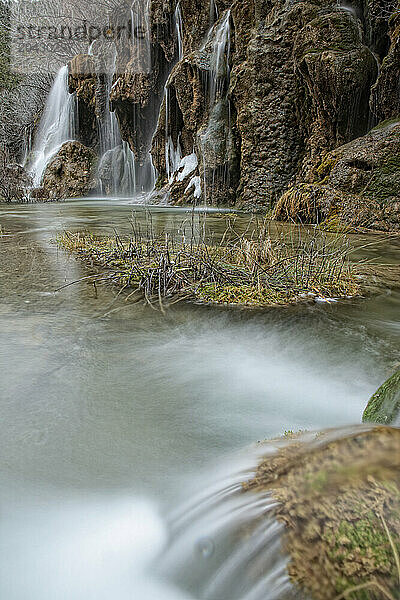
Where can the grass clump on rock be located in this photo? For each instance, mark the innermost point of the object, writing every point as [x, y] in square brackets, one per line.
[253, 270]
[339, 499]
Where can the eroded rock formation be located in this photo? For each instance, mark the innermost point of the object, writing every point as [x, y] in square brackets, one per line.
[354, 186]
[252, 95]
[70, 173]
[83, 82]
[299, 84]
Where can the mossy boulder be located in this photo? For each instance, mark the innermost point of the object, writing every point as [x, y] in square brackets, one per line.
[338, 497]
[358, 185]
[384, 406]
[71, 172]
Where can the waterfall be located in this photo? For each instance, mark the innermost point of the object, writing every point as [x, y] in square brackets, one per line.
[179, 30]
[117, 161]
[227, 544]
[173, 156]
[215, 138]
[57, 125]
[119, 172]
[219, 60]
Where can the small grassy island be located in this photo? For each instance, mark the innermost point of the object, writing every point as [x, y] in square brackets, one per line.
[256, 270]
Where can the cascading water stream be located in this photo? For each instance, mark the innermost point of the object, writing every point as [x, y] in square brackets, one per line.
[227, 544]
[218, 42]
[57, 125]
[217, 47]
[179, 30]
[117, 169]
[220, 39]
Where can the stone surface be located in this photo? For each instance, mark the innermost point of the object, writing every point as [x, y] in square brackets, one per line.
[301, 75]
[357, 185]
[385, 98]
[384, 406]
[71, 172]
[338, 498]
[84, 83]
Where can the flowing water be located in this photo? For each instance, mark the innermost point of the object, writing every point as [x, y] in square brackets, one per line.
[57, 125]
[112, 414]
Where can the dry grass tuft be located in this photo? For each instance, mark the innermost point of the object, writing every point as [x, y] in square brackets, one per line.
[254, 269]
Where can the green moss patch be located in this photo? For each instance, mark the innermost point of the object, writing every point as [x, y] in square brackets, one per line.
[340, 503]
[384, 406]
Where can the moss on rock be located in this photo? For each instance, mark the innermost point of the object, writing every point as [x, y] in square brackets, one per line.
[384, 406]
[339, 499]
[356, 185]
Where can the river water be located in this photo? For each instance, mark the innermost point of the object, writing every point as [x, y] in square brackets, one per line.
[113, 413]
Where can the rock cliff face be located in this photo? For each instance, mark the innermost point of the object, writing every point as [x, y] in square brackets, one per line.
[83, 82]
[300, 80]
[240, 101]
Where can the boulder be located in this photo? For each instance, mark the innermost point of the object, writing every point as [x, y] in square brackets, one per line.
[338, 496]
[384, 406]
[71, 172]
[356, 186]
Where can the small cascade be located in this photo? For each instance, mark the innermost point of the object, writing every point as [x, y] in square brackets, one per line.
[57, 126]
[173, 155]
[227, 544]
[215, 140]
[219, 60]
[140, 24]
[214, 143]
[179, 30]
[119, 173]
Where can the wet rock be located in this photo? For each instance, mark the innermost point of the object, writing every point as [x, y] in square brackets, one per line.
[336, 71]
[338, 497]
[134, 98]
[355, 186]
[39, 194]
[71, 172]
[198, 117]
[15, 182]
[385, 99]
[299, 83]
[384, 406]
[83, 81]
